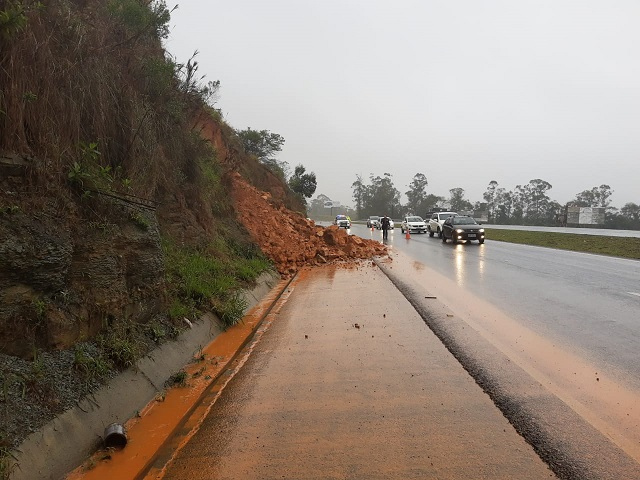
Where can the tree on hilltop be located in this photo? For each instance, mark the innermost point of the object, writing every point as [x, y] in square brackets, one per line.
[419, 202]
[417, 194]
[359, 195]
[264, 145]
[379, 198]
[490, 196]
[383, 197]
[304, 184]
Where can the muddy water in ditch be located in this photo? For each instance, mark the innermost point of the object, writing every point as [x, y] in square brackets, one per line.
[599, 396]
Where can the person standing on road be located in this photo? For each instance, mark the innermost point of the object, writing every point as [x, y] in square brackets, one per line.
[384, 223]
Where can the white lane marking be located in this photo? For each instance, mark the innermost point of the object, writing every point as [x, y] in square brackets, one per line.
[634, 293]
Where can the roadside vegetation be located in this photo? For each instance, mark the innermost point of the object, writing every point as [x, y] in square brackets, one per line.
[107, 162]
[625, 247]
[208, 278]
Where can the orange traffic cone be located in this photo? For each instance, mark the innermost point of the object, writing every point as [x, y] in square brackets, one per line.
[407, 235]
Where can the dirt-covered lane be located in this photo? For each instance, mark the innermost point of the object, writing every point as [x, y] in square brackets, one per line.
[349, 382]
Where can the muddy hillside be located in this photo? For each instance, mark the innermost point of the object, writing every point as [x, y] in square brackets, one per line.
[124, 195]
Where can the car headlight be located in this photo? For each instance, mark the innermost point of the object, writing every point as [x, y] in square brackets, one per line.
[459, 230]
[481, 230]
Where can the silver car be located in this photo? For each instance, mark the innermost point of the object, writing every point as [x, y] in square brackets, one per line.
[373, 221]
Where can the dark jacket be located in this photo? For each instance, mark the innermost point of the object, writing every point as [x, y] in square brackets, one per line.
[385, 223]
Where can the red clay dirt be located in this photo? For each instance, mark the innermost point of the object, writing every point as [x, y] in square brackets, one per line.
[290, 240]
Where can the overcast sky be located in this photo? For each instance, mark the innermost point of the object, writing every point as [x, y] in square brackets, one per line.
[464, 91]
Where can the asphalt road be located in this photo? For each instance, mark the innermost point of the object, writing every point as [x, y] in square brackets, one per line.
[571, 320]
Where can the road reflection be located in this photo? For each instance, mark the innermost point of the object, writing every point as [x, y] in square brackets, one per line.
[462, 266]
[459, 265]
[481, 261]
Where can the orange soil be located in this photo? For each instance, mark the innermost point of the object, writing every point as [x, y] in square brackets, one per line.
[290, 240]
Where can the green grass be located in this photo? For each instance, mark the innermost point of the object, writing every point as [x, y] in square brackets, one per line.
[247, 269]
[122, 343]
[177, 379]
[90, 363]
[210, 278]
[625, 247]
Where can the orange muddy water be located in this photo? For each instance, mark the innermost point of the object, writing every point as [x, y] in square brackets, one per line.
[158, 422]
[347, 381]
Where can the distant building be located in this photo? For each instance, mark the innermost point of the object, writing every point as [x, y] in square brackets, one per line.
[582, 216]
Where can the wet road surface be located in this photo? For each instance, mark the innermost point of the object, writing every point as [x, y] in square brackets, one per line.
[588, 302]
[584, 428]
[349, 383]
[570, 320]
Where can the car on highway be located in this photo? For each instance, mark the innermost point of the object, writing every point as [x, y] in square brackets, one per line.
[373, 221]
[462, 228]
[435, 222]
[342, 221]
[413, 224]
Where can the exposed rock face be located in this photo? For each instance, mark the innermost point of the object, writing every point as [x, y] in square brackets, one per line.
[254, 172]
[58, 286]
[35, 251]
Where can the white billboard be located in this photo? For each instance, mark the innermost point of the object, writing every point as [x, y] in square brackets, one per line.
[585, 215]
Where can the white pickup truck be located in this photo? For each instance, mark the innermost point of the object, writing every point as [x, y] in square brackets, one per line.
[436, 221]
[342, 221]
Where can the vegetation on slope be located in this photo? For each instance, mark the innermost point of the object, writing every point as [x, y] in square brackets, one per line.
[117, 187]
[115, 217]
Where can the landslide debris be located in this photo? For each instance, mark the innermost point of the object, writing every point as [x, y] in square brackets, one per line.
[290, 240]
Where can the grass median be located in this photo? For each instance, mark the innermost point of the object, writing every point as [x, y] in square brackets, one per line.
[625, 247]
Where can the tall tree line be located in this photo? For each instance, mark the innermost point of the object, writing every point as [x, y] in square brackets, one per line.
[379, 197]
[528, 204]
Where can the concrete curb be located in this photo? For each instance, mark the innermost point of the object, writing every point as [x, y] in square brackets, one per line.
[69, 439]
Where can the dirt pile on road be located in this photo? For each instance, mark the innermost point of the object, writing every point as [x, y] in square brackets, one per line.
[289, 239]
